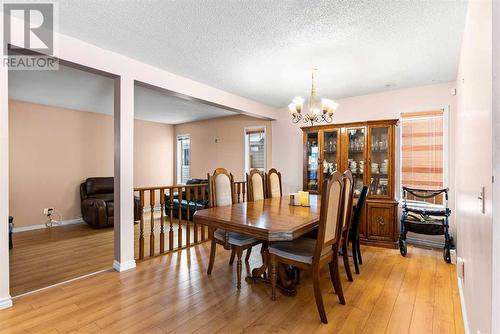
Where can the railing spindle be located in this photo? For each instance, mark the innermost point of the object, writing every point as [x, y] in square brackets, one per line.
[141, 225]
[243, 190]
[167, 193]
[152, 235]
[195, 226]
[171, 218]
[238, 188]
[188, 228]
[162, 217]
[203, 198]
[179, 231]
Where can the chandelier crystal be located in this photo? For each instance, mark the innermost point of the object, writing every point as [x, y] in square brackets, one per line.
[314, 112]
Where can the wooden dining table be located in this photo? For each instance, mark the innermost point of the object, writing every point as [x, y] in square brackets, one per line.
[269, 220]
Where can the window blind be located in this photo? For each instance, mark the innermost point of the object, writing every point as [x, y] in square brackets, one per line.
[255, 147]
[422, 151]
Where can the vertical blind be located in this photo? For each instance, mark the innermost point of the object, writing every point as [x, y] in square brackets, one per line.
[183, 159]
[255, 145]
[422, 151]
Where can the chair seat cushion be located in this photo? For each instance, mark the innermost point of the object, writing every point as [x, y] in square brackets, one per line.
[236, 239]
[301, 250]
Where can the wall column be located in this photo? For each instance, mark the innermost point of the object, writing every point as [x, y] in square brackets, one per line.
[124, 174]
[5, 300]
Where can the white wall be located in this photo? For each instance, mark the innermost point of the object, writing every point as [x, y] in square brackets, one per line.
[473, 165]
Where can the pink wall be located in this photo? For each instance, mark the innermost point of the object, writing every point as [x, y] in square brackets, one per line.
[52, 150]
[228, 151]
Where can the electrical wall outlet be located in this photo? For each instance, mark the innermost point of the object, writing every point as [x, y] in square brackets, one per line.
[48, 211]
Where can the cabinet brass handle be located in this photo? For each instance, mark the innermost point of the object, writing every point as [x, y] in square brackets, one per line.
[380, 220]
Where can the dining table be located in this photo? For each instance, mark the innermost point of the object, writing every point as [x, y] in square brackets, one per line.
[269, 220]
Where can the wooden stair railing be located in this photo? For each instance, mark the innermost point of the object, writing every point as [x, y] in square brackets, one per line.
[162, 218]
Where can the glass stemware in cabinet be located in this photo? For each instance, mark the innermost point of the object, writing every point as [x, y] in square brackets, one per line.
[379, 168]
[312, 161]
[330, 142]
[355, 157]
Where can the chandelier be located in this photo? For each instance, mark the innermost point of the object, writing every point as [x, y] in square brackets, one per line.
[314, 112]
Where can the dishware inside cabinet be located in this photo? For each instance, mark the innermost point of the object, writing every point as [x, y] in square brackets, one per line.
[330, 155]
[356, 157]
[379, 161]
[312, 162]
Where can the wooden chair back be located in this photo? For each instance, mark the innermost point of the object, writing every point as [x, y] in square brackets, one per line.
[331, 214]
[358, 211]
[274, 183]
[220, 188]
[256, 185]
[348, 196]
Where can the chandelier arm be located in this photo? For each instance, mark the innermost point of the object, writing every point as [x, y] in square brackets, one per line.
[296, 119]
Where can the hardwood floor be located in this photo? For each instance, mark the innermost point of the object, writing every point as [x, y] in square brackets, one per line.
[172, 293]
[44, 257]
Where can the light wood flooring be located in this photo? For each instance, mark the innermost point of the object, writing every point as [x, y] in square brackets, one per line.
[44, 257]
[172, 293]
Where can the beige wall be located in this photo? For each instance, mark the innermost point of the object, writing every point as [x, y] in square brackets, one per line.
[52, 150]
[228, 151]
[474, 165]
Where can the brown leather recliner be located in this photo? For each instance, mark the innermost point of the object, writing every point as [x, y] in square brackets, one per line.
[97, 195]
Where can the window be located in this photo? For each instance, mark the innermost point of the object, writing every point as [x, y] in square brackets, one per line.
[424, 151]
[255, 149]
[183, 158]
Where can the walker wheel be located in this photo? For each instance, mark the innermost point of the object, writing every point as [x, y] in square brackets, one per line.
[446, 254]
[402, 247]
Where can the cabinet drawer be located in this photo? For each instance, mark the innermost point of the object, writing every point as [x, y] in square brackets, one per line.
[381, 221]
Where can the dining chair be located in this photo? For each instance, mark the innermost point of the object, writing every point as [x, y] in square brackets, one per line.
[221, 193]
[312, 254]
[346, 220]
[354, 230]
[274, 183]
[256, 185]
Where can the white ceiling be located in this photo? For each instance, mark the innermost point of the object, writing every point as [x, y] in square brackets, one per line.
[75, 89]
[264, 50]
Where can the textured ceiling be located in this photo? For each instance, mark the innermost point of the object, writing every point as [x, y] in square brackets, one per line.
[264, 50]
[75, 89]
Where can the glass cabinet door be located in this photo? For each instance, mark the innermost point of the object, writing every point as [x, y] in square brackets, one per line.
[330, 149]
[312, 162]
[356, 157]
[379, 162]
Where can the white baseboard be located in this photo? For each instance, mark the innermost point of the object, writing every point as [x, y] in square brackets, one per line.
[462, 304]
[5, 303]
[42, 226]
[123, 266]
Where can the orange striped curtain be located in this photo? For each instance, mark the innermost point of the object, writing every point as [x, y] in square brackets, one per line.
[422, 155]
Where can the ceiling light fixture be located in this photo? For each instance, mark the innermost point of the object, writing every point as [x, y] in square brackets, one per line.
[315, 112]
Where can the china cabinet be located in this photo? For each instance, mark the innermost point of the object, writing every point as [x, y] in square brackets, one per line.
[367, 149]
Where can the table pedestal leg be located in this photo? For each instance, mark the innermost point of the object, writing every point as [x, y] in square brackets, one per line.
[285, 284]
